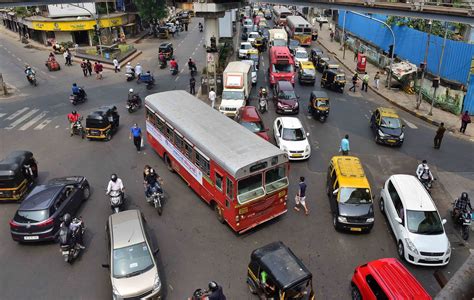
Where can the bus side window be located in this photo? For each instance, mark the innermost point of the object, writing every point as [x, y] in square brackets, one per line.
[178, 141]
[219, 181]
[202, 163]
[229, 189]
[160, 124]
[169, 133]
[188, 151]
[151, 117]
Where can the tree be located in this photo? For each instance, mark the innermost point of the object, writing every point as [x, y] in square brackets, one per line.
[151, 9]
[455, 30]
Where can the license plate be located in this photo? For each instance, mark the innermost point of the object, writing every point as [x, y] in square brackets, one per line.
[288, 110]
[31, 237]
[431, 258]
[296, 155]
[65, 252]
[356, 229]
[391, 141]
[95, 132]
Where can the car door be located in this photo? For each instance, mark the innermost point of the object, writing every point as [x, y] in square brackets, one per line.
[277, 131]
[76, 197]
[396, 210]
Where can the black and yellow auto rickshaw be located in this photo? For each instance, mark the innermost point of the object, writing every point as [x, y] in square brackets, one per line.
[259, 44]
[315, 54]
[163, 32]
[318, 105]
[167, 50]
[321, 63]
[275, 272]
[102, 123]
[334, 80]
[18, 172]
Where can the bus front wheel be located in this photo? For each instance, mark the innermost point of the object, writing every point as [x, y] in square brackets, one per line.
[168, 163]
[219, 213]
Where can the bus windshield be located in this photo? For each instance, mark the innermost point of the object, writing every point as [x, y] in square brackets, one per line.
[282, 68]
[275, 179]
[250, 188]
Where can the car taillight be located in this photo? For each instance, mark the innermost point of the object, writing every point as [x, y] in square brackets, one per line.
[46, 222]
[14, 224]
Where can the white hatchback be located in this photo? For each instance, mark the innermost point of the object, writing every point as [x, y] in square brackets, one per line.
[291, 137]
[300, 56]
[244, 48]
[415, 221]
[252, 36]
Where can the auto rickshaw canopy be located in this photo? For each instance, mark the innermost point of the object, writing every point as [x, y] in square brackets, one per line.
[281, 264]
[12, 165]
[306, 65]
[102, 117]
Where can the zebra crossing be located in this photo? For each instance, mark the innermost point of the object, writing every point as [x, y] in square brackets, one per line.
[25, 118]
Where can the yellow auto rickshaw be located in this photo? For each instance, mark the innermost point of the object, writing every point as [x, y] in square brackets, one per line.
[334, 80]
[18, 172]
[321, 63]
[318, 105]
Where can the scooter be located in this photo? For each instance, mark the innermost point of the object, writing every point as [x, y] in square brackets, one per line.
[262, 104]
[80, 98]
[32, 79]
[134, 104]
[70, 251]
[130, 75]
[116, 200]
[427, 183]
[78, 129]
[156, 199]
[464, 220]
[199, 294]
[163, 64]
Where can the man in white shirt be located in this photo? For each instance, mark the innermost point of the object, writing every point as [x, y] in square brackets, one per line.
[138, 70]
[212, 97]
[115, 184]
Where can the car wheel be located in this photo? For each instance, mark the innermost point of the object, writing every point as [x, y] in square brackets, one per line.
[382, 208]
[252, 288]
[401, 250]
[334, 222]
[355, 293]
[86, 192]
[108, 137]
[376, 139]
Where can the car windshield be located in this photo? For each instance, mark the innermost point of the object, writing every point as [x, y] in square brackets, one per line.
[24, 216]
[309, 71]
[294, 43]
[341, 77]
[245, 46]
[301, 54]
[253, 126]
[253, 35]
[275, 179]
[424, 222]
[233, 95]
[250, 188]
[354, 196]
[322, 103]
[132, 260]
[282, 68]
[287, 95]
[392, 123]
[279, 42]
[293, 134]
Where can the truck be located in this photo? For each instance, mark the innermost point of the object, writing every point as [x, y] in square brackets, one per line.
[225, 25]
[278, 37]
[237, 86]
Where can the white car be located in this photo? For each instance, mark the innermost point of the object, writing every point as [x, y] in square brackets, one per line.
[252, 36]
[415, 221]
[321, 19]
[244, 48]
[291, 137]
[300, 56]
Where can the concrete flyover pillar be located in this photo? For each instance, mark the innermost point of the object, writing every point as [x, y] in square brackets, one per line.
[211, 29]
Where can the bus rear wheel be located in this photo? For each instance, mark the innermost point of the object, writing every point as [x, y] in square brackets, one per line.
[168, 163]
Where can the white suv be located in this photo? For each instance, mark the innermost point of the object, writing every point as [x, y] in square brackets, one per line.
[415, 221]
[290, 136]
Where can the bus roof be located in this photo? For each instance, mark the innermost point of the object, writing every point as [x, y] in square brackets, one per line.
[281, 9]
[231, 145]
[297, 21]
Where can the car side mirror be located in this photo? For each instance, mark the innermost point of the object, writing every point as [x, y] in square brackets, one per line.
[403, 126]
[444, 221]
[398, 220]
[307, 133]
[298, 97]
[277, 133]
[106, 266]
[155, 252]
[335, 191]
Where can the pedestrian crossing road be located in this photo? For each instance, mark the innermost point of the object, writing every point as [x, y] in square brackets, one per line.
[26, 118]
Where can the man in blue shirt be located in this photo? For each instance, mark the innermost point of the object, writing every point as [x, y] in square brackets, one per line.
[136, 132]
[345, 145]
[300, 198]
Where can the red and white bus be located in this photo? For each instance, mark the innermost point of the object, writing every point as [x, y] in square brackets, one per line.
[280, 13]
[299, 29]
[243, 177]
[281, 65]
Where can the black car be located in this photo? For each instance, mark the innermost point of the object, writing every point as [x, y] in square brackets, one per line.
[387, 127]
[39, 216]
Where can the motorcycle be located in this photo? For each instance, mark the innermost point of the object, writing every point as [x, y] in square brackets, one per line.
[156, 199]
[149, 80]
[199, 294]
[262, 104]
[134, 104]
[78, 129]
[464, 220]
[192, 69]
[32, 79]
[80, 98]
[116, 200]
[130, 75]
[163, 64]
[70, 250]
[427, 183]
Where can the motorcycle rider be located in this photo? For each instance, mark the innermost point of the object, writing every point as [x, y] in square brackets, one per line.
[173, 64]
[200, 27]
[29, 72]
[216, 292]
[132, 97]
[162, 58]
[129, 69]
[192, 65]
[74, 235]
[115, 184]
[151, 178]
[73, 118]
[138, 70]
[262, 92]
[423, 172]
[461, 205]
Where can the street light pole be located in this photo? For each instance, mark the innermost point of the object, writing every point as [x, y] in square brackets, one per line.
[389, 79]
[96, 19]
[343, 40]
[439, 66]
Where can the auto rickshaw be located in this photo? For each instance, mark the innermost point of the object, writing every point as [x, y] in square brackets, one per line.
[253, 55]
[275, 272]
[52, 64]
[18, 172]
[334, 80]
[321, 63]
[331, 64]
[167, 50]
[163, 32]
[306, 72]
[102, 123]
[318, 105]
[315, 54]
[259, 44]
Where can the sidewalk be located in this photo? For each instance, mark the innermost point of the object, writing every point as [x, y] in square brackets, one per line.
[396, 97]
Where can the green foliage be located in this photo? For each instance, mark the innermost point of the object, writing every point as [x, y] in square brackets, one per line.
[151, 9]
[437, 28]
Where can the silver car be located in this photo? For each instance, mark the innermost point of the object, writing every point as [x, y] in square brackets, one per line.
[133, 269]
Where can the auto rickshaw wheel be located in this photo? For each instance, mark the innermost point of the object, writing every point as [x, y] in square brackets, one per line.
[108, 136]
[219, 215]
[252, 288]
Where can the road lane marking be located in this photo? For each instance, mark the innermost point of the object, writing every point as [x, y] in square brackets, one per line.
[409, 124]
[2, 114]
[17, 113]
[57, 126]
[19, 59]
[34, 120]
[43, 124]
[177, 77]
[23, 118]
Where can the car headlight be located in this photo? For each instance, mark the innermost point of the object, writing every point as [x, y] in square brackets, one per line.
[402, 136]
[411, 246]
[279, 104]
[381, 133]
[296, 104]
[370, 220]
[342, 219]
[448, 252]
[115, 293]
[307, 149]
[157, 283]
[283, 148]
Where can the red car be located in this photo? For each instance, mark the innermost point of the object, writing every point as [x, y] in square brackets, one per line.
[387, 279]
[250, 118]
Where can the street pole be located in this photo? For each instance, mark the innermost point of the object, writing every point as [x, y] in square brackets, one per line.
[343, 40]
[439, 65]
[419, 98]
[389, 79]
[96, 22]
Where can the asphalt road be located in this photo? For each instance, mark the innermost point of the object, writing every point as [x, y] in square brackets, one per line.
[194, 246]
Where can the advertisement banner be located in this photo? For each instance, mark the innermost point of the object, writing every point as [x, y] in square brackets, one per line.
[75, 25]
[66, 10]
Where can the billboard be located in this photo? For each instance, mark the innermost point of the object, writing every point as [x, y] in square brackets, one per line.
[66, 10]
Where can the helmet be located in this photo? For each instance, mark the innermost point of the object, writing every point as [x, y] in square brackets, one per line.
[138, 64]
[113, 177]
[130, 90]
[424, 161]
[212, 286]
[464, 196]
[152, 171]
[129, 64]
[67, 219]
[74, 112]
[74, 84]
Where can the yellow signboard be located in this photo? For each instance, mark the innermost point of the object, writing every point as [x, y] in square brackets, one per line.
[75, 25]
